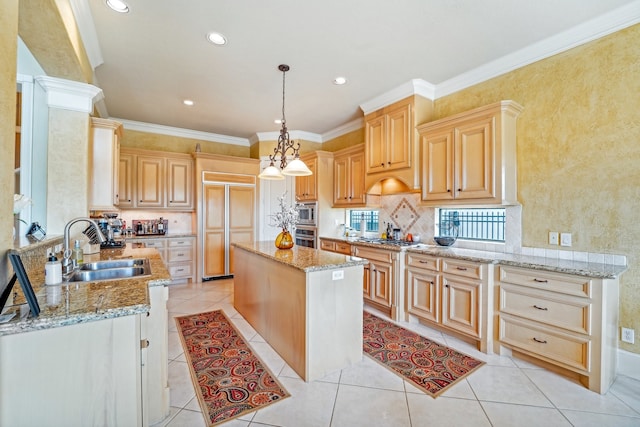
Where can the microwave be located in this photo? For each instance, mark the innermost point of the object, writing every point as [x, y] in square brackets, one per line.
[308, 213]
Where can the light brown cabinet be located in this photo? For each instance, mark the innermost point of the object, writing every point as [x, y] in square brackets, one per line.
[566, 320]
[334, 246]
[450, 293]
[104, 157]
[471, 156]
[152, 180]
[307, 186]
[381, 278]
[391, 141]
[348, 177]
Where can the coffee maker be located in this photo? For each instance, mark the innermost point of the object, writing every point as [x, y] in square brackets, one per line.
[111, 227]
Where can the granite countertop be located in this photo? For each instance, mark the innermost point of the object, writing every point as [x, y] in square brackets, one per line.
[394, 248]
[578, 268]
[80, 302]
[159, 236]
[302, 258]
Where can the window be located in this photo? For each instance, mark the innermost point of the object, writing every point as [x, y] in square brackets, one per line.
[370, 218]
[472, 224]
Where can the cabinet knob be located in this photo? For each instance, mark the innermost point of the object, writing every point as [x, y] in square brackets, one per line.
[140, 201]
[382, 164]
[388, 163]
[448, 190]
[446, 286]
[459, 189]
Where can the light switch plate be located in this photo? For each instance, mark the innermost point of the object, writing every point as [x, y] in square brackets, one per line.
[565, 239]
[553, 238]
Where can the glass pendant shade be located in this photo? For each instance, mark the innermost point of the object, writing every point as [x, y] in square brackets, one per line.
[271, 172]
[296, 168]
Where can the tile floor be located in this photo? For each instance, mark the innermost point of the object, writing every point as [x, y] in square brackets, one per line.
[505, 392]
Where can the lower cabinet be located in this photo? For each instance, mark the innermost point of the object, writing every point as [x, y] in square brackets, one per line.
[381, 280]
[178, 254]
[77, 375]
[155, 325]
[335, 246]
[452, 294]
[565, 320]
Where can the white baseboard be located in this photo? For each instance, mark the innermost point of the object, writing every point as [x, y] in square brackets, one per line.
[629, 364]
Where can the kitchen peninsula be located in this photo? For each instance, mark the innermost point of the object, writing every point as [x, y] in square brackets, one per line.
[306, 303]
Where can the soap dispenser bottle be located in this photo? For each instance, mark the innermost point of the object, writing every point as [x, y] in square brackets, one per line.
[78, 253]
[52, 271]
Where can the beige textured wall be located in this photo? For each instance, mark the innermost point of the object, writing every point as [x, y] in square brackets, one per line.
[578, 150]
[344, 141]
[175, 144]
[8, 53]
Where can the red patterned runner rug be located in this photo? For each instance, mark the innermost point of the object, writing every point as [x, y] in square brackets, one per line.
[230, 381]
[430, 366]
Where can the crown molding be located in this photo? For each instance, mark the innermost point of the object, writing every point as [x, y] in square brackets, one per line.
[70, 95]
[593, 29]
[412, 87]
[180, 132]
[294, 134]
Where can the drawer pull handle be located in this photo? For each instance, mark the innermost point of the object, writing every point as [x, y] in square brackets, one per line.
[540, 341]
[540, 308]
[423, 262]
[540, 280]
[180, 270]
[461, 268]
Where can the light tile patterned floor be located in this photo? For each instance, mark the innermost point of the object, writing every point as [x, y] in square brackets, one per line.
[505, 392]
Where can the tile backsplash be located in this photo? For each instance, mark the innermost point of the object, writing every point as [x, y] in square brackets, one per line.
[405, 212]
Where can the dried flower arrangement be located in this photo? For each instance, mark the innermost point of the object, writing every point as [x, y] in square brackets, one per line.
[288, 216]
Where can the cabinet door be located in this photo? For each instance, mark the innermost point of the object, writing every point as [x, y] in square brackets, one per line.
[375, 131]
[105, 144]
[126, 171]
[398, 145]
[180, 183]
[381, 278]
[341, 181]
[214, 230]
[150, 182]
[474, 160]
[461, 305]
[327, 245]
[356, 179]
[423, 294]
[306, 186]
[437, 166]
[241, 217]
[366, 282]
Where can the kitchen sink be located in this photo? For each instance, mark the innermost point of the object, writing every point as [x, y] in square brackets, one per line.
[111, 269]
[116, 263]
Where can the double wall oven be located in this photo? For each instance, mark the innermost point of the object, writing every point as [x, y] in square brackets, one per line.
[307, 228]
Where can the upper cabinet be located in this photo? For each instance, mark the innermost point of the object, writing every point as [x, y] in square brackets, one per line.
[390, 141]
[105, 147]
[151, 180]
[307, 186]
[471, 157]
[348, 177]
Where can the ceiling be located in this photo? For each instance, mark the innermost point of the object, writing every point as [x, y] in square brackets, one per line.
[149, 60]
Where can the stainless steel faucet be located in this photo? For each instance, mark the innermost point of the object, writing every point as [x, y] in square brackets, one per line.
[67, 264]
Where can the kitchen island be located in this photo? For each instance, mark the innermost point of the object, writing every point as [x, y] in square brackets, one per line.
[306, 303]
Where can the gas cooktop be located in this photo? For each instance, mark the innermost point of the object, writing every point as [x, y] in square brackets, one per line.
[387, 242]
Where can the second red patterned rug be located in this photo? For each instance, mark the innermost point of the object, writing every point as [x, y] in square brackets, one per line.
[230, 381]
[430, 366]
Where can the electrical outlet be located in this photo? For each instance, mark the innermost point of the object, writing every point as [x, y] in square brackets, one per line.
[337, 275]
[628, 335]
[553, 237]
[565, 239]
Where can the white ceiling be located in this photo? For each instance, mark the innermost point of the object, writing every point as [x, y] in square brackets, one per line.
[150, 59]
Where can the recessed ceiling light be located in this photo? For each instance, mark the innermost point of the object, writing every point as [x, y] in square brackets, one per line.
[217, 38]
[188, 102]
[339, 80]
[118, 6]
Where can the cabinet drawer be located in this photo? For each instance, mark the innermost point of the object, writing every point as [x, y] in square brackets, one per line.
[463, 268]
[374, 254]
[556, 282]
[557, 347]
[181, 270]
[185, 242]
[157, 244]
[180, 254]
[327, 245]
[343, 248]
[422, 261]
[547, 307]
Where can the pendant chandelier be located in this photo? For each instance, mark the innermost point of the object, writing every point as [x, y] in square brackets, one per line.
[294, 168]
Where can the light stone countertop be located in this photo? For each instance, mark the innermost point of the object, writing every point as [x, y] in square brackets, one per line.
[302, 258]
[578, 268]
[80, 302]
[159, 236]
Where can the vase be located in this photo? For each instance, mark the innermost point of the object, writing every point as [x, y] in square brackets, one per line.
[284, 240]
